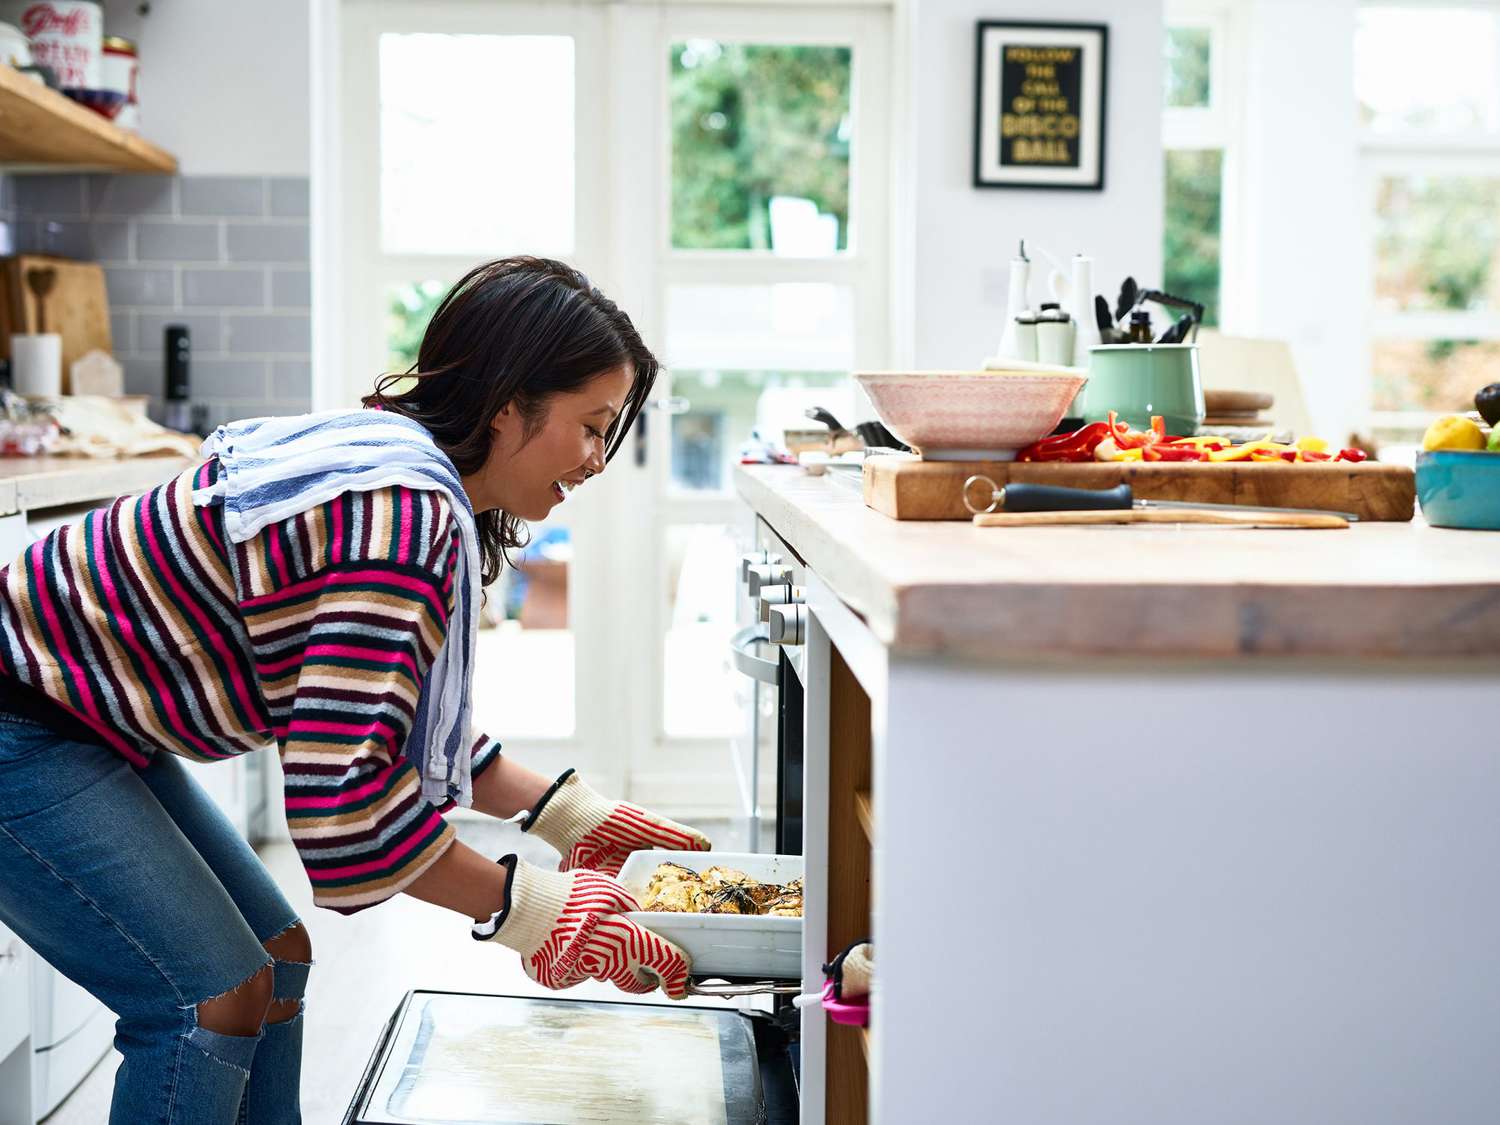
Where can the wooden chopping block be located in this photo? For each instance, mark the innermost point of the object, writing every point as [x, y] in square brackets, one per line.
[1160, 515]
[77, 307]
[909, 489]
[1236, 402]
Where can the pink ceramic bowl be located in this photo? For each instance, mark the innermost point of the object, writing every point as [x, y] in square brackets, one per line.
[970, 415]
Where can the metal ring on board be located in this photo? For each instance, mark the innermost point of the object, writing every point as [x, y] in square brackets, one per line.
[995, 494]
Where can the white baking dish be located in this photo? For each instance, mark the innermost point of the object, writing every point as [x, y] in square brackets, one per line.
[725, 945]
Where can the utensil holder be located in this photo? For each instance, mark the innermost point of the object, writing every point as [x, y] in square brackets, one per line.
[36, 363]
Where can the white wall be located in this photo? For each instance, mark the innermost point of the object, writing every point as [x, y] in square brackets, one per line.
[224, 83]
[965, 236]
[1307, 268]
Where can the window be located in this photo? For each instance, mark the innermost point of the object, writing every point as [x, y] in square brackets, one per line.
[1427, 85]
[1198, 127]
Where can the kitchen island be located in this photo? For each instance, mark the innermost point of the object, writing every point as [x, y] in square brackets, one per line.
[1165, 824]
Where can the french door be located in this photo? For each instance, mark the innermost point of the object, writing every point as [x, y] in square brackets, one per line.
[752, 235]
[721, 172]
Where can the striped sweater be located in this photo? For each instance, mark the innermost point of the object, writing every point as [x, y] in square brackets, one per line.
[146, 629]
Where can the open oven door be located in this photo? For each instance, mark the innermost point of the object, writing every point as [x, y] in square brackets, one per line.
[450, 1058]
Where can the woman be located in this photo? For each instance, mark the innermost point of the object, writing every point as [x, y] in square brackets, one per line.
[314, 582]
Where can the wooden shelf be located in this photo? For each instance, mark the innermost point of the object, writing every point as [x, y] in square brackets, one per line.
[865, 811]
[41, 129]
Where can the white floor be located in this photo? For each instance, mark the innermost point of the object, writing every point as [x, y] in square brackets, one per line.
[364, 964]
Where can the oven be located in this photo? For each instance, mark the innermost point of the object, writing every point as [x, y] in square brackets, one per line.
[420, 1072]
[768, 651]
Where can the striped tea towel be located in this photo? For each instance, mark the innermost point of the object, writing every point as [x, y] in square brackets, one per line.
[273, 468]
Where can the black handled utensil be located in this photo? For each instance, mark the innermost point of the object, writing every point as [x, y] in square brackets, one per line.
[818, 414]
[1054, 498]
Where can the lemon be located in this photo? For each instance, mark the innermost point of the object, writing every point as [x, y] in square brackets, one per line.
[1453, 432]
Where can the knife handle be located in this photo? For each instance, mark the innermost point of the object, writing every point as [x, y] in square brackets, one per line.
[1052, 498]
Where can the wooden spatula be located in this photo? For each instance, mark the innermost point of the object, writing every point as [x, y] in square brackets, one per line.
[1159, 515]
[40, 280]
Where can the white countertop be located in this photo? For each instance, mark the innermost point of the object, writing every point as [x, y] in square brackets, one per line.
[33, 483]
[1377, 590]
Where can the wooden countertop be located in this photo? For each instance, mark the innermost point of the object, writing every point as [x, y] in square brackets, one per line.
[31, 483]
[1381, 590]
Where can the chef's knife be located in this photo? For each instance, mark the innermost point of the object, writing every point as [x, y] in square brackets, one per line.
[1053, 498]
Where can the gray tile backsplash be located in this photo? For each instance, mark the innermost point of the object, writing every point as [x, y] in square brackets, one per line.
[227, 256]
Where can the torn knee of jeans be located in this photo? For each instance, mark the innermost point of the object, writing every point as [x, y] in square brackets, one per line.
[234, 1020]
[289, 980]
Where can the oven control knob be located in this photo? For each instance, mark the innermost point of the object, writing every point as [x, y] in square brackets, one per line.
[755, 558]
[767, 574]
[782, 593]
[787, 624]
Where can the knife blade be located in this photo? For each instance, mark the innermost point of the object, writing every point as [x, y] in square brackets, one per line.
[1054, 498]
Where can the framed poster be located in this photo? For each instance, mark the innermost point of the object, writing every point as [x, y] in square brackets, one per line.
[1039, 105]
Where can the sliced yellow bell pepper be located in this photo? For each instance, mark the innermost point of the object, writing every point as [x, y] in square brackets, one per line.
[1241, 452]
[1312, 445]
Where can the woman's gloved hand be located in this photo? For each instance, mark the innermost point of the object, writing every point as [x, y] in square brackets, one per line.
[566, 926]
[594, 832]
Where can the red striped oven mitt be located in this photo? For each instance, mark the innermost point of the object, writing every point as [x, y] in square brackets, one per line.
[590, 831]
[567, 927]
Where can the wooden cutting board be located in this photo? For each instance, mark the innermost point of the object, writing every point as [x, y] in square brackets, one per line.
[77, 307]
[932, 490]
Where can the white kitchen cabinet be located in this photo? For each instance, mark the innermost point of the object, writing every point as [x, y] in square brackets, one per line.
[15, 1029]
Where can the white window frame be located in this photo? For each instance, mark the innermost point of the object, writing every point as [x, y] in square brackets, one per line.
[1219, 125]
[1410, 152]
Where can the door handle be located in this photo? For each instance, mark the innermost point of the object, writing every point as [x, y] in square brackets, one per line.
[766, 671]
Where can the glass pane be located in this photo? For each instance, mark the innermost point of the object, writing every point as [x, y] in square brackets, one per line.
[408, 308]
[1431, 69]
[1187, 71]
[524, 667]
[753, 357]
[698, 685]
[788, 325]
[476, 144]
[1435, 243]
[1432, 375]
[760, 147]
[727, 405]
[1194, 195]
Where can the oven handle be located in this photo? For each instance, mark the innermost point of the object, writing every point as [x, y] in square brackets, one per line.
[766, 671]
[701, 986]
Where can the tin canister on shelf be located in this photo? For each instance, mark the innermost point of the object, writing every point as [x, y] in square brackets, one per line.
[66, 35]
[121, 72]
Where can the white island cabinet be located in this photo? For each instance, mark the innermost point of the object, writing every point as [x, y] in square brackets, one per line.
[1166, 825]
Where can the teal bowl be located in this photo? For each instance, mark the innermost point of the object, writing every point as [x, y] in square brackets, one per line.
[1457, 488]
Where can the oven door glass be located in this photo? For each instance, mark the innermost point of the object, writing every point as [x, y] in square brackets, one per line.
[466, 1059]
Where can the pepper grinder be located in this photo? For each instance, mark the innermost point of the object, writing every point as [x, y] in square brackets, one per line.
[1017, 301]
[177, 350]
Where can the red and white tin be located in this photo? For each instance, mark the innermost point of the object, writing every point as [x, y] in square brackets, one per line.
[66, 35]
[121, 72]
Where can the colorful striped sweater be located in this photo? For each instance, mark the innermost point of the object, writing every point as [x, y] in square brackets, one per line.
[146, 629]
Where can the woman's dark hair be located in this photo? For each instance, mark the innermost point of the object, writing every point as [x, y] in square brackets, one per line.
[517, 330]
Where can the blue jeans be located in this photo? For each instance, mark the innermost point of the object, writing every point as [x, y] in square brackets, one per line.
[135, 885]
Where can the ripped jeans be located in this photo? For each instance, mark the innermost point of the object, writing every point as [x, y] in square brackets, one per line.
[134, 884]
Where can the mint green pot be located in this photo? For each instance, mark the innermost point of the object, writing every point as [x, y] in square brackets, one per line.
[1139, 380]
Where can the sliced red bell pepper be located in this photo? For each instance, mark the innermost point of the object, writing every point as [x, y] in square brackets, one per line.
[1076, 446]
[1355, 455]
[1126, 438]
[1173, 453]
[1315, 455]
